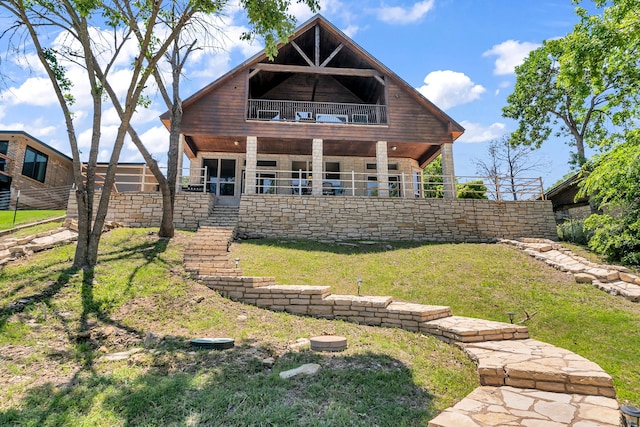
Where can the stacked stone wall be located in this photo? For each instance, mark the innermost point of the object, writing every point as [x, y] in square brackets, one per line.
[144, 209]
[349, 218]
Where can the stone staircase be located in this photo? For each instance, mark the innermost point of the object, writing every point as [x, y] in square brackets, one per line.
[523, 381]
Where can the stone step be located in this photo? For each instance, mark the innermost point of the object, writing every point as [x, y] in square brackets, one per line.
[534, 364]
[467, 329]
[508, 406]
[360, 301]
[417, 312]
[630, 291]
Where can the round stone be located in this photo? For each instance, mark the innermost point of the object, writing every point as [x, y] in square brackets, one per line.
[328, 343]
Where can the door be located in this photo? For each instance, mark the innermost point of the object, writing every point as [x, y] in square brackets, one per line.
[221, 176]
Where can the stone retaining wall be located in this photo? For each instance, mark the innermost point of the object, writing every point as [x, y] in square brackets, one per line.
[352, 218]
[144, 209]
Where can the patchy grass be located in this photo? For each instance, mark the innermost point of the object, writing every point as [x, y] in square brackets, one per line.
[475, 280]
[56, 324]
[25, 217]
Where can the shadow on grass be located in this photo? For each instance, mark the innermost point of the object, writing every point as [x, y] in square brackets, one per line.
[233, 388]
[341, 248]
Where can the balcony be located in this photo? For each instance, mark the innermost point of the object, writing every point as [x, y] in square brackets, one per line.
[317, 112]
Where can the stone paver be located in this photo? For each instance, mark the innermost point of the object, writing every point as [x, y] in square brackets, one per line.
[535, 364]
[508, 406]
[467, 329]
[613, 279]
[12, 248]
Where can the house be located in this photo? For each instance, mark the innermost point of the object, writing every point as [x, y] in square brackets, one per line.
[323, 118]
[31, 166]
[565, 200]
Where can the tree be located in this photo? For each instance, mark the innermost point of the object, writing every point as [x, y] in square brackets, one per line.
[613, 183]
[506, 161]
[432, 181]
[582, 86]
[80, 23]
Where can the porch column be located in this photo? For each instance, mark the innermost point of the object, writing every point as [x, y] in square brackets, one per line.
[382, 168]
[179, 167]
[448, 172]
[317, 166]
[252, 165]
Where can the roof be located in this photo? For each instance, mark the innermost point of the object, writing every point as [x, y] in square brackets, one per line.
[21, 132]
[455, 128]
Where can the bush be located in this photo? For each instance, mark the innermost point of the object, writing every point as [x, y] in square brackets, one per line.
[572, 230]
[615, 238]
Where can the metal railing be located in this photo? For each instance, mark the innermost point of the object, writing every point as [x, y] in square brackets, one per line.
[404, 185]
[317, 112]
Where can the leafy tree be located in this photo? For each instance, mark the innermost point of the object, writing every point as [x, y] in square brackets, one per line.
[80, 23]
[583, 86]
[614, 184]
[432, 181]
[472, 190]
[506, 161]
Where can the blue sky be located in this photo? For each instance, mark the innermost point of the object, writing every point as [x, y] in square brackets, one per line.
[459, 53]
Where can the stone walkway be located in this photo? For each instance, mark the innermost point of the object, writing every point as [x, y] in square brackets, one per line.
[509, 406]
[524, 382]
[615, 280]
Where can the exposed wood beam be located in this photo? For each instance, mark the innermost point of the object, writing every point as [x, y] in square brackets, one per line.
[254, 72]
[304, 55]
[317, 45]
[381, 80]
[333, 54]
[283, 68]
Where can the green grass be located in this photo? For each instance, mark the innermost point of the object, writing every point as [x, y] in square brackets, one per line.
[25, 217]
[53, 377]
[476, 280]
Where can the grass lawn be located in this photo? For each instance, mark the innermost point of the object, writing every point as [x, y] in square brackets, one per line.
[139, 296]
[26, 217]
[475, 280]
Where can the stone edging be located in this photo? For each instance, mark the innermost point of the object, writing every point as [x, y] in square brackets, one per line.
[615, 280]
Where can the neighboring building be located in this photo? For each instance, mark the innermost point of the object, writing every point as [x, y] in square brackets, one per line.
[323, 118]
[566, 204]
[28, 164]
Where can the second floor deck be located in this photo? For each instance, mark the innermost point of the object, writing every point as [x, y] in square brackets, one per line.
[317, 112]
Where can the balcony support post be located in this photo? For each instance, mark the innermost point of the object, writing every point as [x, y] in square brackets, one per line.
[317, 169]
[179, 165]
[382, 168]
[448, 172]
[252, 165]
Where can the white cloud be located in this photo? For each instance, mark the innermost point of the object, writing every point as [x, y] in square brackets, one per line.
[476, 132]
[401, 15]
[35, 91]
[449, 88]
[156, 139]
[510, 54]
[351, 30]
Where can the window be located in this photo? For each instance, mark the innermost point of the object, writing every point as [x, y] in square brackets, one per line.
[266, 163]
[35, 164]
[4, 148]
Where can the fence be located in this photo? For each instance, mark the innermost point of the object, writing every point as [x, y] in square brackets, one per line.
[35, 199]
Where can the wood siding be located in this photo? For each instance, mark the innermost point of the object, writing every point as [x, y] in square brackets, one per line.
[222, 113]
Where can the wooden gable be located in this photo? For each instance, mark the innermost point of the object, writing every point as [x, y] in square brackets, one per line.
[318, 65]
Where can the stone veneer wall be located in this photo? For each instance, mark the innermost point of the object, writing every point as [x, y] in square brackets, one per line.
[144, 209]
[439, 220]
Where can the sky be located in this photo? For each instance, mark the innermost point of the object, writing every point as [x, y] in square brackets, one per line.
[460, 54]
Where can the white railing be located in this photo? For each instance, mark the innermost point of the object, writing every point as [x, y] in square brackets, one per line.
[399, 185]
[317, 112]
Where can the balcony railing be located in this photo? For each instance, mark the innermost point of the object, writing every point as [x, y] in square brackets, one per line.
[317, 112]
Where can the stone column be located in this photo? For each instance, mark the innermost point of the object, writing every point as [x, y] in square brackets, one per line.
[317, 166]
[382, 168]
[252, 165]
[179, 167]
[448, 172]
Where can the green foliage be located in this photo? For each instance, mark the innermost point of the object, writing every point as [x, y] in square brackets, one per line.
[472, 190]
[614, 184]
[432, 179]
[584, 86]
[572, 230]
[270, 20]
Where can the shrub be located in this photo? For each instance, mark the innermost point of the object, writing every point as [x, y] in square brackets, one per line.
[572, 230]
[615, 237]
